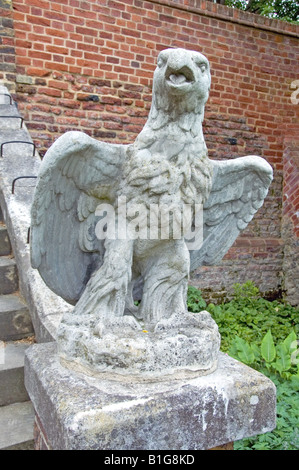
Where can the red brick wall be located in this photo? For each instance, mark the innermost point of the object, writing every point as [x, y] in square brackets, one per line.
[88, 65]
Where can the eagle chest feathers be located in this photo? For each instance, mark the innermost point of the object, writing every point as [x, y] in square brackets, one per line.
[169, 170]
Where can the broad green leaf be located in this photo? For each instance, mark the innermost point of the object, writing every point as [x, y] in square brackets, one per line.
[283, 360]
[256, 350]
[290, 341]
[295, 381]
[267, 347]
[295, 354]
[283, 356]
[245, 353]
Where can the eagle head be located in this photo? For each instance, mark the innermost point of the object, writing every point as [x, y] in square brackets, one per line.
[182, 76]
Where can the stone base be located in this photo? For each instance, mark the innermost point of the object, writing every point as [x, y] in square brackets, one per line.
[185, 343]
[115, 412]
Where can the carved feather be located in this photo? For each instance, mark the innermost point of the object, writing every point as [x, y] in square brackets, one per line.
[63, 211]
[231, 205]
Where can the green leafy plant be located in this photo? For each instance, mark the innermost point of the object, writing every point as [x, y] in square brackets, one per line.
[263, 335]
[247, 291]
[278, 359]
[286, 10]
[250, 316]
[195, 302]
[278, 363]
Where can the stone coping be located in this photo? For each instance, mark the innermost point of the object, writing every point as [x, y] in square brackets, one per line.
[234, 15]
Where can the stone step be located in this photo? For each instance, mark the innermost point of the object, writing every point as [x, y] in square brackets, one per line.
[12, 388]
[15, 321]
[9, 280]
[5, 246]
[16, 426]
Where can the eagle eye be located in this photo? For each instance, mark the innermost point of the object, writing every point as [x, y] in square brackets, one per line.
[202, 65]
[161, 60]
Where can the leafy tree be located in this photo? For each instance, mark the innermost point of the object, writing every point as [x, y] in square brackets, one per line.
[287, 10]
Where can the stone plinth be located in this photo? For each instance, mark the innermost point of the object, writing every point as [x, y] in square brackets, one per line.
[109, 411]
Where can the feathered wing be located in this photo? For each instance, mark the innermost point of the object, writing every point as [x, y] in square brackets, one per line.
[76, 173]
[239, 188]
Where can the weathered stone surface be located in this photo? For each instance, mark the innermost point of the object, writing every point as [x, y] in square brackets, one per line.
[12, 387]
[188, 342]
[9, 275]
[5, 247]
[125, 413]
[15, 320]
[16, 426]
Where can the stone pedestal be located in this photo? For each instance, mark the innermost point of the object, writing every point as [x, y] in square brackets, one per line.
[113, 412]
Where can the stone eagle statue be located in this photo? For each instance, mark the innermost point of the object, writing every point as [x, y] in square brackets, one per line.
[167, 165]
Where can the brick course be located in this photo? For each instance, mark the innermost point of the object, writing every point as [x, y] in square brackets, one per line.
[89, 66]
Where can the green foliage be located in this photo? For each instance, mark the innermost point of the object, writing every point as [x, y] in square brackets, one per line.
[195, 302]
[263, 335]
[287, 10]
[279, 364]
[246, 291]
[268, 350]
[241, 4]
[250, 316]
[267, 357]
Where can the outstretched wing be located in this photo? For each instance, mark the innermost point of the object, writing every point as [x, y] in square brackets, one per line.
[239, 188]
[76, 173]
